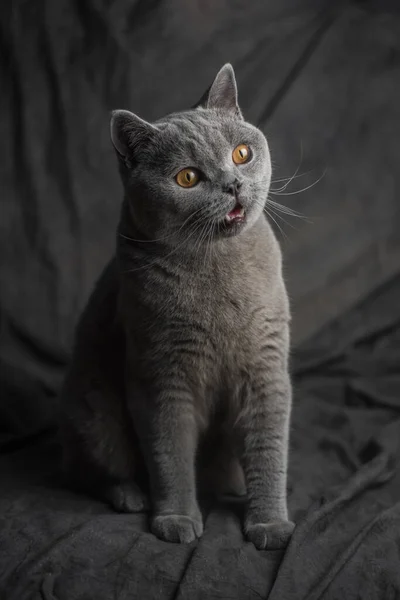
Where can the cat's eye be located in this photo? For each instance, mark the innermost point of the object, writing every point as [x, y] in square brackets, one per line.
[187, 177]
[241, 154]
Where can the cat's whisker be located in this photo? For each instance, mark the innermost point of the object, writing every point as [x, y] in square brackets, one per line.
[283, 188]
[299, 191]
[196, 225]
[201, 238]
[165, 237]
[297, 170]
[289, 179]
[210, 242]
[212, 246]
[276, 223]
[271, 214]
[285, 210]
[206, 242]
[278, 216]
[199, 227]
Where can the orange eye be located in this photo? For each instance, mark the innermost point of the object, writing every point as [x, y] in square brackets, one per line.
[187, 178]
[241, 154]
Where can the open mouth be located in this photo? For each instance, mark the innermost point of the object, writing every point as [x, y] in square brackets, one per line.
[237, 215]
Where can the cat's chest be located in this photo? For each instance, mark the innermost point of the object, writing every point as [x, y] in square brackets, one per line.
[209, 317]
[231, 309]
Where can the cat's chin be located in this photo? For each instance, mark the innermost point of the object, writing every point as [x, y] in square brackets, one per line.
[230, 228]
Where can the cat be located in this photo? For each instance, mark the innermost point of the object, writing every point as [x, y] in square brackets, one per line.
[180, 363]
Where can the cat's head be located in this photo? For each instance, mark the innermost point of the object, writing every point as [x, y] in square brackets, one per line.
[199, 174]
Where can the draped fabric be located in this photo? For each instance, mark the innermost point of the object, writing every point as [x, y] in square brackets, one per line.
[322, 80]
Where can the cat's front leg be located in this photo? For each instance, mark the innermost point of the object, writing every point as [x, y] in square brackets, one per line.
[167, 430]
[265, 450]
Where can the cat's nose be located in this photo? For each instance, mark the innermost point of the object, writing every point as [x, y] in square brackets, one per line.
[233, 187]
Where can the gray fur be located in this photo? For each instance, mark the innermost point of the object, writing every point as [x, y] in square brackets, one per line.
[180, 368]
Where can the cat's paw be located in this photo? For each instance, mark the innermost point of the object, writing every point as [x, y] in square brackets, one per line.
[180, 529]
[127, 497]
[270, 536]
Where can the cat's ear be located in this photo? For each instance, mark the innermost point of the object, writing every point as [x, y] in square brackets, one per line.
[128, 131]
[223, 92]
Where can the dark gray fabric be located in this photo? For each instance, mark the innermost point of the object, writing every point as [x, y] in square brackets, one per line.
[322, 80]
[344, 493]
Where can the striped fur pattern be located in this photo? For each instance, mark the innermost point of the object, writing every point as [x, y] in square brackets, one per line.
[180, 368]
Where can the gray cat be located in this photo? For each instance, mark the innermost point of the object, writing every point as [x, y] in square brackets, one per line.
[180, 367]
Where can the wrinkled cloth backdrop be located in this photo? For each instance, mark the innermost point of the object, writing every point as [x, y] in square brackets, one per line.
[322, 80]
